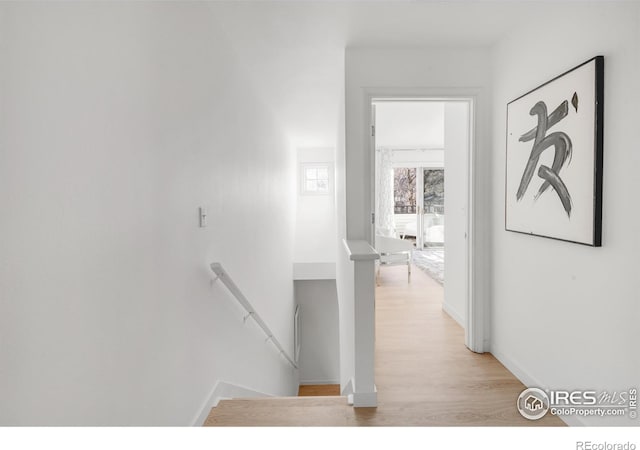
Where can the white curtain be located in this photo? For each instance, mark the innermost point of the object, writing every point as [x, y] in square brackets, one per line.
[385, 223]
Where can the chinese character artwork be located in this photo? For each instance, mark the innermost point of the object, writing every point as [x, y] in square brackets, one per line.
[554, 157]
[558, 141]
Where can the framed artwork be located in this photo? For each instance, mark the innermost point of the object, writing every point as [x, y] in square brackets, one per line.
[553, 185]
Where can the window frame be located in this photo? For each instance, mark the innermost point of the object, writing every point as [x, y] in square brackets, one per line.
[303, 178]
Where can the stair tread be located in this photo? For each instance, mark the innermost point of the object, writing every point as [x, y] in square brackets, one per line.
[318, 390]
[283, 401]
[268, 411]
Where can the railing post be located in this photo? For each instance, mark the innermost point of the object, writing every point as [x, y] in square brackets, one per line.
[363, 257]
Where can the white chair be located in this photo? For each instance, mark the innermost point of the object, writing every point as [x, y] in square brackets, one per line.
[394, 251]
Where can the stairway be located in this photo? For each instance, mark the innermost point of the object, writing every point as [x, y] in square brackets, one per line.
[316, 405]
[282, 411]
[424, 374]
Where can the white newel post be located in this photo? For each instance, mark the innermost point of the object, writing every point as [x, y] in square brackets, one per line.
[363, 257]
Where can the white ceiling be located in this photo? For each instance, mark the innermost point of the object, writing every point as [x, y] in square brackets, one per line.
[293, 52]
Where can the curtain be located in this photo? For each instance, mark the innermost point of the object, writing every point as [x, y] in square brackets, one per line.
[385, 223]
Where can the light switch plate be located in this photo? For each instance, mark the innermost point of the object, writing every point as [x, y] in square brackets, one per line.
[203, 217]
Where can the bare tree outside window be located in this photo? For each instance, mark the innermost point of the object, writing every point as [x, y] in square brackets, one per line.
[404, 190]
[434, 191]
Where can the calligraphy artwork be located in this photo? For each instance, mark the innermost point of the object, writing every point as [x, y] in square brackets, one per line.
[554, 157]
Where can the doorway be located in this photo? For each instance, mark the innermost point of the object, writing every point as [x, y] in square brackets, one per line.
[421, 187]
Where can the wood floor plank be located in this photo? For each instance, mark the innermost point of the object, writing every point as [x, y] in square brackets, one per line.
[315, 390]
[425, 375]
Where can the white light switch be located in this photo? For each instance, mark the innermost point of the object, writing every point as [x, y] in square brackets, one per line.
[203, 217]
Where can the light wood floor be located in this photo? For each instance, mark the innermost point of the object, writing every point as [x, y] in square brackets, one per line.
[424, 374]
[319, 390]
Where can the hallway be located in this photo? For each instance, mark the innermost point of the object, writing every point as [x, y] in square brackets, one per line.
[424, 374]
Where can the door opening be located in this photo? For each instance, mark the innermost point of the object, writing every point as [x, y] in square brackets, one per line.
[421, 188]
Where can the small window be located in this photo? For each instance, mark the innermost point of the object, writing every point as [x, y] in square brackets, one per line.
[316, 179]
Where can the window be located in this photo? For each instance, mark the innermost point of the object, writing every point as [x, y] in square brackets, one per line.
[434, 191]
[316, 179]
[404, 190]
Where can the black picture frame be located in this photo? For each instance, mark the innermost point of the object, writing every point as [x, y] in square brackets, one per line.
[554, 157]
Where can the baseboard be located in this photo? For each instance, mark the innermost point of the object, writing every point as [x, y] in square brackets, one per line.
[221, 391]
[318, 382]
[530, 381]
[359, 399]
[365, 399]
[348, 388]
[453, 313]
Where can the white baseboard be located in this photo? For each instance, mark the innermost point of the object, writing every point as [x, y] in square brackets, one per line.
[347, 390]
[314, 382]
[359, 399]
[221, 391]
[453, 313]
[365, 399]
[530, 381]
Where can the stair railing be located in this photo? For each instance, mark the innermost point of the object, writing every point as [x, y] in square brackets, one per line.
[223, 276]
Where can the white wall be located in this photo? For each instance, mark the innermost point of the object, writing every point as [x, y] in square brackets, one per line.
[315, 214]
[344, 267]
[456, 189]
[565, 316]
[117, 122]
[320, 348]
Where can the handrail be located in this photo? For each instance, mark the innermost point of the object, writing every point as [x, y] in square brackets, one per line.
[223, 276]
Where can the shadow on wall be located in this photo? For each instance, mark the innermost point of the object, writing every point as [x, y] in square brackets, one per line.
[320, 351]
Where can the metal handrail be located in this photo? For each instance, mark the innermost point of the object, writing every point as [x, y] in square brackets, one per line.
[223, 276]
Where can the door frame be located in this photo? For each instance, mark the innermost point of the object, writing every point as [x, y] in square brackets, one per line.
[476, 305]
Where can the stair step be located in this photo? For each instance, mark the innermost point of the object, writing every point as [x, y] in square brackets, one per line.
[275, 411]
[318, 390]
